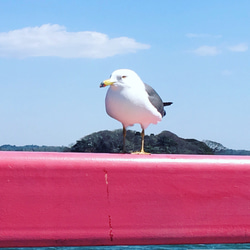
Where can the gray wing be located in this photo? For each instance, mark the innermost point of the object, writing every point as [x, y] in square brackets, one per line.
[155, 99]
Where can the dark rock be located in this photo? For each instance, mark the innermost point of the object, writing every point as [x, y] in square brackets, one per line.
[163, 143]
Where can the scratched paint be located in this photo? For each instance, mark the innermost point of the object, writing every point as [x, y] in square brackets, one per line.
[109, 216]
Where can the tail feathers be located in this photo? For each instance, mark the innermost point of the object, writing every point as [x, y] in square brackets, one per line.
[167, 103]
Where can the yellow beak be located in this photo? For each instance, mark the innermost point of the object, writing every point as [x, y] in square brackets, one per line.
[106, 83]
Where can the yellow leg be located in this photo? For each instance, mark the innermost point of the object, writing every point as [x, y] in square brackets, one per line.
[142, 141]
[124, 139]
[142, 152]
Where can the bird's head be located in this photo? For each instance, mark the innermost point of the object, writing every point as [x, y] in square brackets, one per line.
[121, 77]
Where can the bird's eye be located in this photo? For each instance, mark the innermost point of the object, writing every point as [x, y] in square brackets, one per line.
[124, 76]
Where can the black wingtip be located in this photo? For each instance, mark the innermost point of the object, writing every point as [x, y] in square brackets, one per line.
[167, 103]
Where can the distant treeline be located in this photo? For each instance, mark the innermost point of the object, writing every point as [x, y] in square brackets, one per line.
[111, 142]
[34, 148]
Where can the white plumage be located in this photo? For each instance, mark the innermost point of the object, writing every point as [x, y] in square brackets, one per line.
[130, 101]
[127, 101]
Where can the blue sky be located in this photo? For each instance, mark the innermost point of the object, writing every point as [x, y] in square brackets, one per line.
[54, 54]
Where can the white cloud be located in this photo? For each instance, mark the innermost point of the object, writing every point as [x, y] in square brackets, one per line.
[202, 35]
[241, 47]
[206, 51]
[55, 40]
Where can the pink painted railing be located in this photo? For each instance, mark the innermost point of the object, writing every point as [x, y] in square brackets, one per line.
[81, 199]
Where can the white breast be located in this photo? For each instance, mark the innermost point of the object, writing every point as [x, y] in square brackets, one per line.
[131, 106]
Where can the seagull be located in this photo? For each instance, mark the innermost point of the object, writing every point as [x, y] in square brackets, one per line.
[131, 101]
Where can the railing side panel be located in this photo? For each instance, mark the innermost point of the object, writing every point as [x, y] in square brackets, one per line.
[70, 199]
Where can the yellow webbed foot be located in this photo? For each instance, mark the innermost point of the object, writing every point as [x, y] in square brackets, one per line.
[142, 152]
